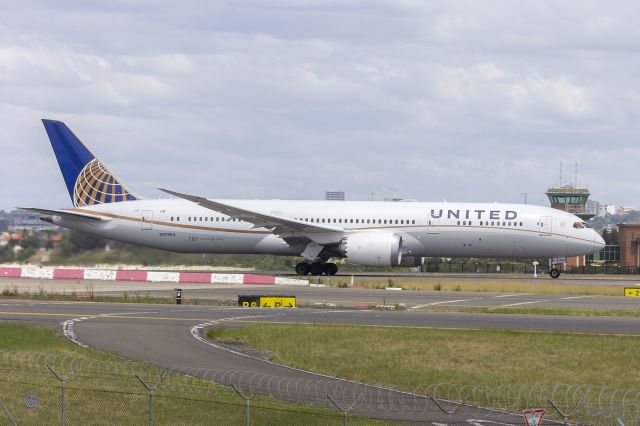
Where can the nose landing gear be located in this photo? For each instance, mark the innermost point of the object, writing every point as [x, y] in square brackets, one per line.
[316, 268]
[554, 273]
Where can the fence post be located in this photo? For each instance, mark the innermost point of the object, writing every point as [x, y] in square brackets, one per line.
[63, 380]
[565, 416]
[151, 391]
[345, 411]
[4, 407]
[247, 401]
[448, 412]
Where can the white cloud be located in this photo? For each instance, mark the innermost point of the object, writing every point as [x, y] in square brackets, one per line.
[453, 100]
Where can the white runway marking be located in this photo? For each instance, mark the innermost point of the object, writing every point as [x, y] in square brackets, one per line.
[441, 303]
[523, 303]
[573, 297]
[509, 295]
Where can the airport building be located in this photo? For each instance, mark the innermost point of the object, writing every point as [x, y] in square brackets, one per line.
[571, 200]
[629, 241]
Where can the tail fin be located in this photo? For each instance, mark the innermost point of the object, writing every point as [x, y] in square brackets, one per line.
[88, 181]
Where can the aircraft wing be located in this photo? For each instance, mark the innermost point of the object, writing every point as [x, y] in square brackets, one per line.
[291, 230]
[66, 214]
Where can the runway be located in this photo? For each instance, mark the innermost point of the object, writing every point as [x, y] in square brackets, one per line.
[167, 335]
[171, 335]
[342, 297]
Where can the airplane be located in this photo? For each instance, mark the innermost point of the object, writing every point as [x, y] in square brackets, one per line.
[364, 233]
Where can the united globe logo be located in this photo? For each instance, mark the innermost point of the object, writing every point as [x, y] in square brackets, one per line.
[96, 185]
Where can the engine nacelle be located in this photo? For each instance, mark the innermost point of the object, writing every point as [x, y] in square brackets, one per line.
[412, 261]
[372, 249]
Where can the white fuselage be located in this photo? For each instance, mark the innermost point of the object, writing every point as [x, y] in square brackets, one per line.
[427, 229]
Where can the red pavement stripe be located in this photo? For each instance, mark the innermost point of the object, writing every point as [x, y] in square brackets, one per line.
[258, 279]
[195, 277]
[131, 275]
[61, 274]
[11, 272]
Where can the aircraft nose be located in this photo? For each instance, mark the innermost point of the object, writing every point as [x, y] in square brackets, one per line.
[598, 241]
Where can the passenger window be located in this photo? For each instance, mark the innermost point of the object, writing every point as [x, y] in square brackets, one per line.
[171, 218]
[368, 220]
[413, 222]
[350, 220]
[356, 220]
[189, 218]
[339, 220]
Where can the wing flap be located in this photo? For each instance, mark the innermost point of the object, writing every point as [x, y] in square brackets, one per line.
[286, 228]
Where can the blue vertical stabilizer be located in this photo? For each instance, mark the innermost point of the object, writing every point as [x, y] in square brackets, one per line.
[88, 181]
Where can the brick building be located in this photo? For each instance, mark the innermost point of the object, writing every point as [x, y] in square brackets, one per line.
[629, 240]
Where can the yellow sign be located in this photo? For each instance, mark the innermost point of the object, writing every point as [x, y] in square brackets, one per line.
[278, 302]
[632, 292]
[267, 301]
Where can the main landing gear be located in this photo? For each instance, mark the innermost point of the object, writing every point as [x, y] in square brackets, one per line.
[316, 268]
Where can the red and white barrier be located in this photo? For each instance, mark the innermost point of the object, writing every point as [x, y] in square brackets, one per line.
[146, 276]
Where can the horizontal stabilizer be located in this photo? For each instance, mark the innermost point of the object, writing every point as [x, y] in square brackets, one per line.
[66, 214]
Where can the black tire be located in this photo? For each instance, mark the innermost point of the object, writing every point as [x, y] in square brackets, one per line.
[554, 273]
[330, 268]
[316, 268]
[302, 268]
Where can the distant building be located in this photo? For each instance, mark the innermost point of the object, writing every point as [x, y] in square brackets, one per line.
[19, 220]
[334, 195]
[593, 207]
[625, 210]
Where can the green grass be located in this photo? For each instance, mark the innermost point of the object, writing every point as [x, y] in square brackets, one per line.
[553, 311]
[474, 284]
[103, 389]
[409, 357]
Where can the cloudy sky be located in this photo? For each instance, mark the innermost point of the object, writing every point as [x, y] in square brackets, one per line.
[461, 100]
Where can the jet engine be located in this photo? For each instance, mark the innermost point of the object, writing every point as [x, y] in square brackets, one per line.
[372, 249]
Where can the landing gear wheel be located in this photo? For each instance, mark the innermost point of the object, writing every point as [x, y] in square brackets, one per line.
[330, 268]
[316, 268]
[302, 268]
[554, 273]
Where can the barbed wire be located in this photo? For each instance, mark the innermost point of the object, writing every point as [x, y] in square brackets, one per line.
[585, 403]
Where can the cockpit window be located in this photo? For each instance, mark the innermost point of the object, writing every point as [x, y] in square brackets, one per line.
[585, 225]
[578, 225]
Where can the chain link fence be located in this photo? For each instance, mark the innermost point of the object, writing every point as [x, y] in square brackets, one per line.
[39, 389]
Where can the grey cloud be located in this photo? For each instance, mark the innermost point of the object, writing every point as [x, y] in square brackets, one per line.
[284, 99]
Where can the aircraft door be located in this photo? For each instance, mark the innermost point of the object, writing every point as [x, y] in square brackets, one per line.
[433, 226]
[146, 220]
[545, 226]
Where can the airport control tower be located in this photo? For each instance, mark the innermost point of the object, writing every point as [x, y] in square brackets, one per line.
[570, 199]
